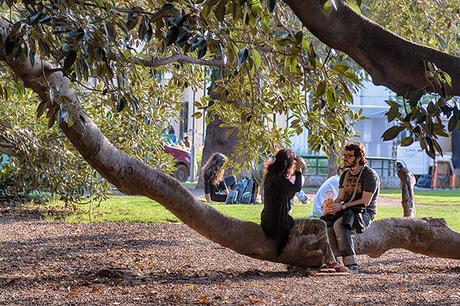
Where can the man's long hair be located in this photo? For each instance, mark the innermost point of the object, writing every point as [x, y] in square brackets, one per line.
[358, 150]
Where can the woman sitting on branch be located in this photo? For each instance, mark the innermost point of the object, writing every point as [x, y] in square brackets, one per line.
[282, 181]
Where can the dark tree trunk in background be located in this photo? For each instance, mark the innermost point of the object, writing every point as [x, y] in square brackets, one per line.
[332, 163]
[216, 138]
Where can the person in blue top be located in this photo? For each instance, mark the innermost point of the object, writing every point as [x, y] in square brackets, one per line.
[328, 190]
[282, 180]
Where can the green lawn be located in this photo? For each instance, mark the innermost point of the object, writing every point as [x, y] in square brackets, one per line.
[428, 197]
[141, 209]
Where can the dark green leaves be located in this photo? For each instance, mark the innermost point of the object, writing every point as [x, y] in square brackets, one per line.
[219, 10]
[121, 104]
[11, 43]
[145, 31]
[392, 132]
[407, 141]
[393, 112]
[41, 109]
[69, 60]
[131, 20]
[172, 35]
[321, 89]
[39, 17]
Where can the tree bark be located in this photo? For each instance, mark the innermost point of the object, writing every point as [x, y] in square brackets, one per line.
[332, 163]
[431, 237]
[133, 177]
[391, 60]
[217, 139]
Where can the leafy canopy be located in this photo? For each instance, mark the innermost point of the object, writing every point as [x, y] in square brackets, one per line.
[130, 62]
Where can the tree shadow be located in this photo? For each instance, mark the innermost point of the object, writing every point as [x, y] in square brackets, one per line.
[61, 248]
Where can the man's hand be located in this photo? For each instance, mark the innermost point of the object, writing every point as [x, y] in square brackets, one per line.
[334, 208]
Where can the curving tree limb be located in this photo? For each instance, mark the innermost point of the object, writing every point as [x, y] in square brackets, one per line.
[391, 60]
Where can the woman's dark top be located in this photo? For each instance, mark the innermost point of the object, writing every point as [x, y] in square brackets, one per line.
[214, 190]
[275, 219]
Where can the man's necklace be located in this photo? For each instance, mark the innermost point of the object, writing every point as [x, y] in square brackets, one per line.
[354, 172]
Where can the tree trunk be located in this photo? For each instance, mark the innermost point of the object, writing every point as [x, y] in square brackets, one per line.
[332, 163]
[131, 176]
[217, 139]
[391, 60]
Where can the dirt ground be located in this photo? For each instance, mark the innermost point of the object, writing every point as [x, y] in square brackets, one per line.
[53, 263]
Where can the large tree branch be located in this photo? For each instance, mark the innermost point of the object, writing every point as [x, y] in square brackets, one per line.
[426, 236]
[391, 60]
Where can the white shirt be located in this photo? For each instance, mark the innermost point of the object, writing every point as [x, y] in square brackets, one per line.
[329, 189]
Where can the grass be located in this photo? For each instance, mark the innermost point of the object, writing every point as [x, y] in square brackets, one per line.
[428, 197]
[141, 209]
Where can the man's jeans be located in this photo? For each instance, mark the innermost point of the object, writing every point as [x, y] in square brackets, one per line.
[343, 243]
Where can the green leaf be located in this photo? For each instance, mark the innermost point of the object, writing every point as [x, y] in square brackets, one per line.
[172, 35]
[431, 108]
[354, 6]
[32, 57]
[392, 113]
[352, 76]
[392, 103]
[340, 68]
[256, 57]
[203, 50]
[293, 64]
[415, 96]
[306, 44]
[327, 8]
[109, 30]
[197, 115]
[131, 20]
[407, 141]
[41, 109]
[321, 89]
[330, 96]
[392, 132]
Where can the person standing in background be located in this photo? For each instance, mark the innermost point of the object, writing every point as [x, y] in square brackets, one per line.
[407, 190]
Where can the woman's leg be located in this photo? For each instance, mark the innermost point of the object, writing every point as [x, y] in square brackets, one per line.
[319, 228]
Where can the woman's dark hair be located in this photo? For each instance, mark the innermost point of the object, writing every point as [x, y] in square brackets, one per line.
[358, 150]
[283, 160]
[213, 166]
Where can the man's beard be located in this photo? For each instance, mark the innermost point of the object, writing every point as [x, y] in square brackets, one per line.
[352, 164]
